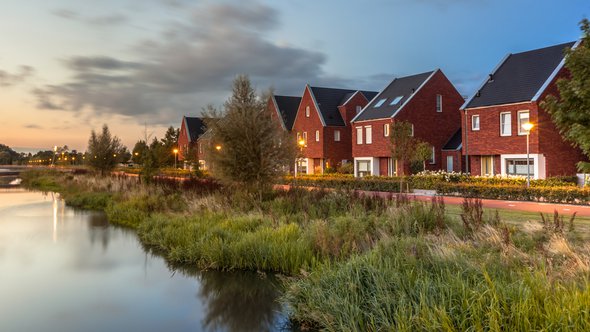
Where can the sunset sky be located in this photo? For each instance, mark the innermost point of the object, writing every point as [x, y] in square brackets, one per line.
[68, 66]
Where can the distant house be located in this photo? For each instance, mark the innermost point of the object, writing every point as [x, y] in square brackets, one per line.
[191, 129]
[284, 110]
[322, 123]
[494, 139]
[428, 101]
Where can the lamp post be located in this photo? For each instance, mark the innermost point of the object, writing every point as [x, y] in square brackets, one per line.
[528, 126]
[175, 151]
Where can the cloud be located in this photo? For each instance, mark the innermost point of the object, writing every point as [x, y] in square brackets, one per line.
[32, 126]
[101, 20]
[191, 64]
[23, 73]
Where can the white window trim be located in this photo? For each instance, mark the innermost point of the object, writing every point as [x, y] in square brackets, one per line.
[439, 104]
[373, 162]
[358, 109]
[305, 137]
[509, 126]
[452, 163]
[412, 133]
[433, 159]
[369, 138]
[538, 160]
[473, 117]
[523, 132]
[359, 138]
[386, 130]
[481, 165]
[336, 135]
[307, 112]
[317, 135]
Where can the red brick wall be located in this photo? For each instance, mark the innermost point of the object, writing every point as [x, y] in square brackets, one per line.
[457, 160]
[310, 125]
[274, 113]
[431, 126]
[561, 157]
[183, 141]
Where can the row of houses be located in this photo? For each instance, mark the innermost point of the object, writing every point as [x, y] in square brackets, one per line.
[483, 134]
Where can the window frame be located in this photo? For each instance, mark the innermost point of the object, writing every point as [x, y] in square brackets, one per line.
[369, 134]
[473, 117]
[304, 136]
[359, 108]
[386, 130]
[317, 135]
[433, 156]
[336, 135]
[359, 135]
[307, 112]
[521, 131]
[439, 104]
[380, 102]
[503, 124]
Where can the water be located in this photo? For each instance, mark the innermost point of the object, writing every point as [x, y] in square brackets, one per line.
[67, 270]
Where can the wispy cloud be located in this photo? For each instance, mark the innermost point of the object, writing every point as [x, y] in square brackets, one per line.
[21, 75]
[103, 20]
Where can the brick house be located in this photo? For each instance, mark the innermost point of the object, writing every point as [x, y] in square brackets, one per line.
[191, 128]
[428, 101]
[452, 160]
[494, 141]
[284, 110]
[322, 121]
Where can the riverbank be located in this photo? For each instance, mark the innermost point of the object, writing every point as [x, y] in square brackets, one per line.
[362, 263]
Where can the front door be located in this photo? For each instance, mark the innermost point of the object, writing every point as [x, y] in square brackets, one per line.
[449, 164]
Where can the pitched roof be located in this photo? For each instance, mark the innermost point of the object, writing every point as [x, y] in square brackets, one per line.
[287, 106]
[328, 100]
[393, 97]
[519, 77]
[195, 127]
[454, 142]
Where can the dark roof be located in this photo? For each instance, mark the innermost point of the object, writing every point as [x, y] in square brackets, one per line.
[455, 142]
[288, 108]
[328, 100]
[195, 127]
[519, 77]
[403, 86]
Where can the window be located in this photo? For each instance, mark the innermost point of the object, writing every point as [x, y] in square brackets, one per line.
[396, 100]
[487, 165]
[518, 167]
[302, 166]
[317, 135]
[368, 134]
[523, 117]
[449, 164]
[359, 135]
[439, 103]
[358, 109]
[505, 124]
[200, 147]
[386, 130]
[363, 168]
[433, 156]
[380, 102]
[305, 137]
[475, 122]
[336, 135]
[412, 132]
[307, 111]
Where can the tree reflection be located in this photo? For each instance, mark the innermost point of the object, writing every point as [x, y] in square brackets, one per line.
[99, 229]
[240, 301]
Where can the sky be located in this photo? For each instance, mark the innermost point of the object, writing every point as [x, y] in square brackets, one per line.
[68, 66]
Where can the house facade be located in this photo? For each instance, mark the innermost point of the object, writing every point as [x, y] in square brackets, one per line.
[428, 101]
[191, 128]
[322, 125]
[494, 139]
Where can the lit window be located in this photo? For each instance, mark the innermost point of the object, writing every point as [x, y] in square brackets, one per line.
[439, 103]
[307, 111]
[519, 167]
[505, 124]
[359, 135]
[317, 135]
[396, 100]
[368, 134]
[336, 135]
[386, 129]
[363, 168]
[523, 117]
[380, 102]
[475, 122]
[305, 137]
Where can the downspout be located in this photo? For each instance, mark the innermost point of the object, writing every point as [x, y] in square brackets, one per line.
[466, 145]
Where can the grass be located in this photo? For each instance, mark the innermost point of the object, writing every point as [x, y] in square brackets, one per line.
[363, 264]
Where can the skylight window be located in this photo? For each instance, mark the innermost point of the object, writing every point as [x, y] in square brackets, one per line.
[380, 102]
[396, 100]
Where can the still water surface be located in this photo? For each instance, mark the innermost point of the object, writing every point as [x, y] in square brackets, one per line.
[67, 270]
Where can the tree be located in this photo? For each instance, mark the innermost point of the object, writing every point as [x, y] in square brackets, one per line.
[138, 152]
[422, 153]
[405, 148]
[571, 111]
[247, 148]
[104, 150]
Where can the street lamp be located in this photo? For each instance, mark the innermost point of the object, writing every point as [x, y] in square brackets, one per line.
[175, 151]
[528, 126]
[218, 147]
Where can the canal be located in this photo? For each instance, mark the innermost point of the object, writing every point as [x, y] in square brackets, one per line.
[63, 269]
